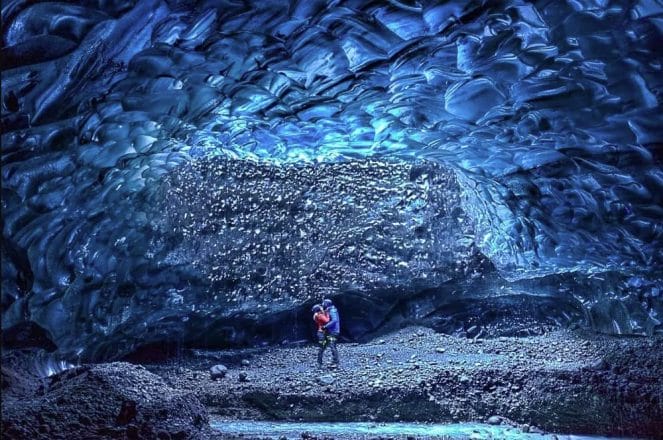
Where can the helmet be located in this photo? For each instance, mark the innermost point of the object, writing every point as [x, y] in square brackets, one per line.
[316, 308]
[326, 303]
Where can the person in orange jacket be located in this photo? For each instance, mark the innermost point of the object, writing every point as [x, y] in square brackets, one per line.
[321, 318]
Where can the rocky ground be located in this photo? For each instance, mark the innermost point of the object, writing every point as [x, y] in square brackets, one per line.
[114, 401]
[564, 382]
[568, 382]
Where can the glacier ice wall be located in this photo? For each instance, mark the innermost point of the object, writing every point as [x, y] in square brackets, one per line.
[548, 113]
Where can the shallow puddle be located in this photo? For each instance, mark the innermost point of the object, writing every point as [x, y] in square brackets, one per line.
[356, 429]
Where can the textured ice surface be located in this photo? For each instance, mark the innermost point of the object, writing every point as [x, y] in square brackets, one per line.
[548, 112]
[283, 232]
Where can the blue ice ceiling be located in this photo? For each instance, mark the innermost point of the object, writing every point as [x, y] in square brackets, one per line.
[548, 113]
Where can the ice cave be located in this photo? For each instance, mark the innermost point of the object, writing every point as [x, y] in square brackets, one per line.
[475, 186]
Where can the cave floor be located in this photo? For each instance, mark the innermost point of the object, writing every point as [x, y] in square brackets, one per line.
[564, 381]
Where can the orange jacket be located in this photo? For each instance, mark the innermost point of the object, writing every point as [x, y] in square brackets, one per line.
[321, 318]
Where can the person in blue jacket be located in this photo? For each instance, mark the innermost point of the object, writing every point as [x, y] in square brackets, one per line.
[332, 330]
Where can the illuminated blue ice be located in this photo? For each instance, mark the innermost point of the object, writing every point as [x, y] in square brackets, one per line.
[549, 113]
[475, 431]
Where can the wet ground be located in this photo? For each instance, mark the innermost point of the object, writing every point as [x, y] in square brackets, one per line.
[451, 431]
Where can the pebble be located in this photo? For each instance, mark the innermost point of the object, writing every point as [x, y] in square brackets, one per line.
[218, 372]
[326, 379]
[599, 365]
[494, 420]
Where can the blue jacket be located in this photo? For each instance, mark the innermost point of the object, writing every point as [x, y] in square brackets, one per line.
[334, 324]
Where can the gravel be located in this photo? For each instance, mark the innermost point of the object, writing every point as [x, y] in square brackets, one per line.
[549, 381]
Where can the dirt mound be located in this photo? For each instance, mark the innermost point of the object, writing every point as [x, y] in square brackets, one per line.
[116, 400]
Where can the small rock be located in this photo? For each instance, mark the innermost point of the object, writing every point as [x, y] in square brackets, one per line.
[218, 372]
[440, 350]
[326, 379]
[245, 363]
[494, 420]
[243, 377]
[600, 365]
[127, 412]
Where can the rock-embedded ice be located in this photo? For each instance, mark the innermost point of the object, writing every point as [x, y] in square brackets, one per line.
[548, 113]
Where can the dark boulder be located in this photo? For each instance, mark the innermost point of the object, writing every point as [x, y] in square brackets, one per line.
[218, 372]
